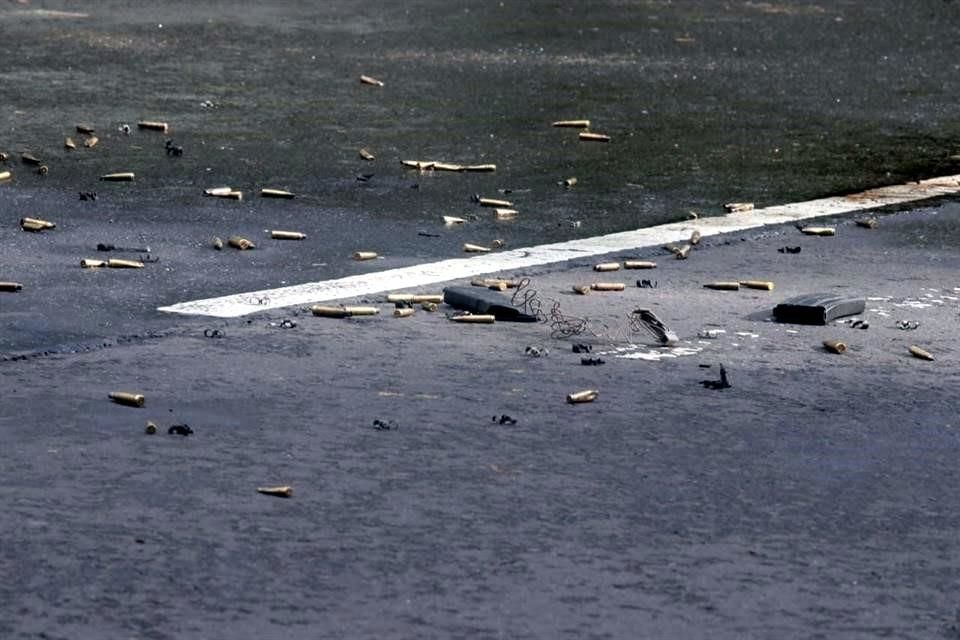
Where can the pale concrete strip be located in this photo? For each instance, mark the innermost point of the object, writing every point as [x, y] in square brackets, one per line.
[432, 273]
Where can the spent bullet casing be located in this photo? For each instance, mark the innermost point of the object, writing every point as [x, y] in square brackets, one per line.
[364, 79]
[5, 175]
[608, 286]
[403, 313]
[127, 398]
[923, 354]
[277, 492]
[154, 125]
[478, 318]
[607, 266]
[764, 285]
[36, 224]
[115, 263]
[474, 248]
[10, 286]
[723, 286]
[366, 155]
[364, 255]
[241, 243]
[123, 176]
[834, 346]
[69, 143]
[819, 231]
[639, 264]
[91, 142]
[594, 137]
[494, 202]
[578, 124]
[587, 395]
[326, 311]
[276, 193]
[287, 235]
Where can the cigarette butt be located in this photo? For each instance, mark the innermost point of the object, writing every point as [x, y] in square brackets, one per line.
[428, 306]
[578, 124]
[36, 224]
[217, 191]
[607, 286]
[453, 220]
[277, 492]
[151, 427]
[364, 255]
[371, 81]
[418, 164]
[287, 235]
[366, 155]
[475, 248]
[577, 397]
[639, 264]
[582, 289]
[127, 398]
[5, 175]
[217, 243]
[819, 231]
[834, 346]
[569, 182]
[91, 142]
[695, 237]
[415, 297]
[505, 214]
[154, 126]
[123, 176]
[447, 166]
[480, 168]
[241, 243]
[867, 223]
[28, 158]
[92, 263]
[723, 286]
[607, 266]
[276, 193]
[764, 285]
[594, 137]
[85, 129]
[403, 313]
[738, 207]
[923, 354]
[69, 143]
[342, 312]
[10, 286]
[475, 318]
[114, 263]
[494, 202]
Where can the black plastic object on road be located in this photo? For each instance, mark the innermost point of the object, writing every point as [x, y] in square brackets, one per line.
[717, 385]
[485, 301]
[817, 308]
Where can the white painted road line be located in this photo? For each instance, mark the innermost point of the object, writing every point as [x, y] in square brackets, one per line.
[241, 304]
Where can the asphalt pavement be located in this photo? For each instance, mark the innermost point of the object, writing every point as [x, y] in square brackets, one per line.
[442, 484]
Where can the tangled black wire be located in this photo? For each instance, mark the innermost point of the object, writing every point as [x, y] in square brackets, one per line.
[561, 326]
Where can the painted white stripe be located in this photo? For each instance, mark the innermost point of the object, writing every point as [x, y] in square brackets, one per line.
[240, 304]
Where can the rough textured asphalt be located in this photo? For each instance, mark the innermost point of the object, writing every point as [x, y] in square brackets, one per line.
[816, 498]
